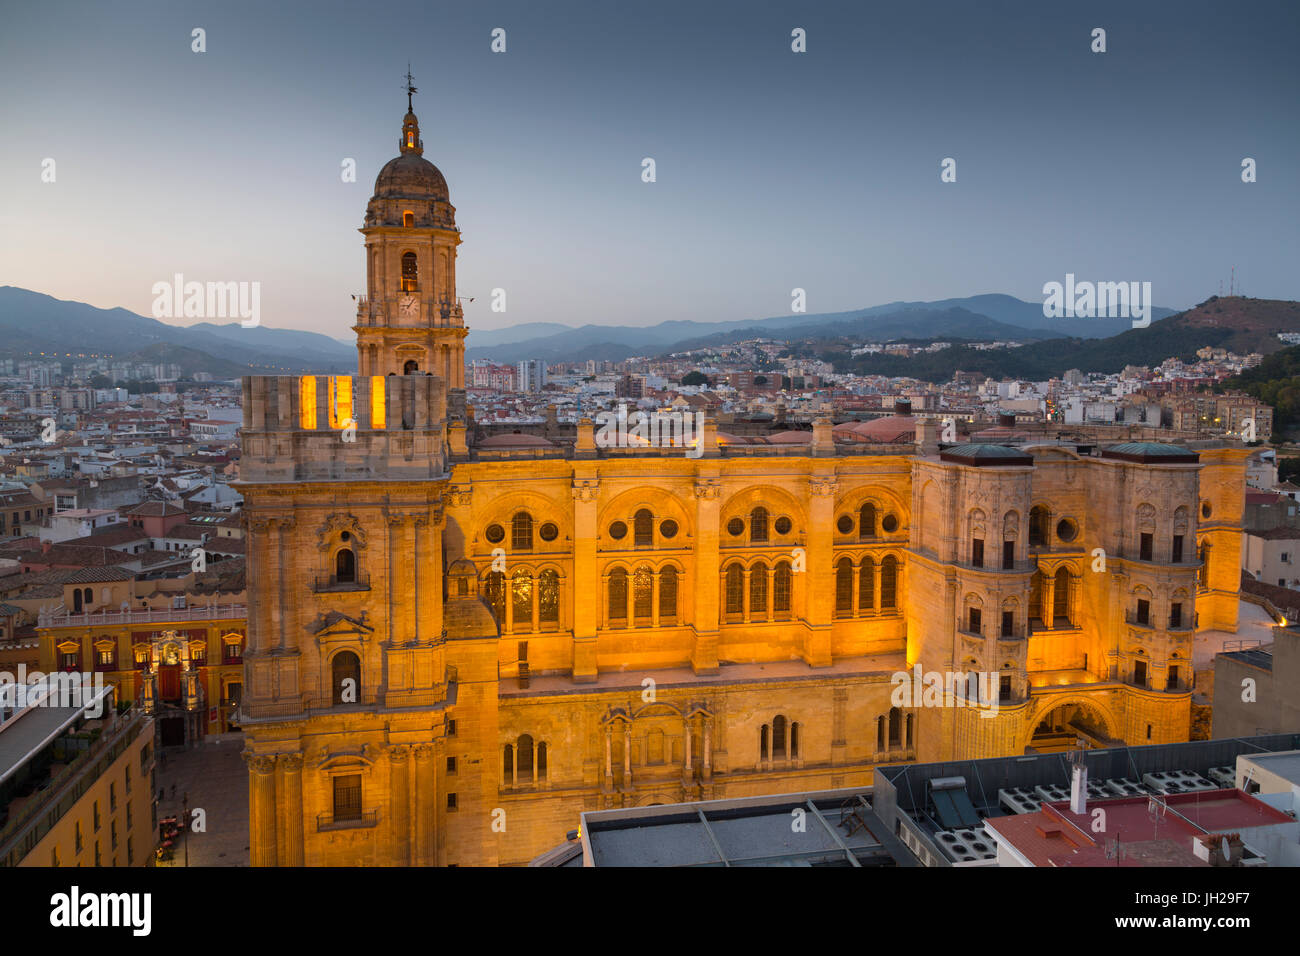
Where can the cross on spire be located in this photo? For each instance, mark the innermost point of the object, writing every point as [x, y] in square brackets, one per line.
[410, 88]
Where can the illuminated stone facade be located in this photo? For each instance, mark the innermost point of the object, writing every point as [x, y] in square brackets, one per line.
[454, 650]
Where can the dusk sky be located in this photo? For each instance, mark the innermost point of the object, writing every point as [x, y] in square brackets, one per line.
[775, 170]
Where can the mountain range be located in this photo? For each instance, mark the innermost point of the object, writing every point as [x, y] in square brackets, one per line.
[31, 323]
[988, 317]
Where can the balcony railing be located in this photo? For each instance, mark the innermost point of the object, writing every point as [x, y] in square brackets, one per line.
[365, 818]
[214, 612]
[331, 582]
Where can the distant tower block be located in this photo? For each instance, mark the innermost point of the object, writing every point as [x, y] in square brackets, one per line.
[410, 321]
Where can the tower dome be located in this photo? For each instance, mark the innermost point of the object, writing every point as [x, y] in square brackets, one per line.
[411, 176]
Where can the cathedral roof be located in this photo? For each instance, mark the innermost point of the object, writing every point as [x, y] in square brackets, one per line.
[1151, 453]
[982, 454]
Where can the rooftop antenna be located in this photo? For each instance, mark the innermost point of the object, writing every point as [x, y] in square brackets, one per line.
[1232, 280]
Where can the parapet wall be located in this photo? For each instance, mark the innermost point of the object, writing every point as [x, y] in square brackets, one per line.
[341, 427]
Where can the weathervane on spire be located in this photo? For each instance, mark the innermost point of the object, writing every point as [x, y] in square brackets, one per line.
[410, 89]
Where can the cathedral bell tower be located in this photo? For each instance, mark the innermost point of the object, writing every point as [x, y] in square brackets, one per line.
[410, 321]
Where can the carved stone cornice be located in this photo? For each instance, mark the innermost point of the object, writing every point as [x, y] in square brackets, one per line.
[824, 485]
[422, 751]
[585, 490]
[292, 763]
[398, 753]
[335, 525]
[259, 763]
[708, 489]
[459, 495]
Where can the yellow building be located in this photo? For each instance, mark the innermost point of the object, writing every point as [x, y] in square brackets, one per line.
[75, 789]
[456, 648]
[173, 646]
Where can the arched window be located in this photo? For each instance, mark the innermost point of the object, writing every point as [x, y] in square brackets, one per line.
[1038, 518]
[735, 590]
[521, 532]
[794, 740]
[643, 582]
[668, 594]
[867, 521]
[758, 592]
[524, 759]
[548, 597]
[88, 597]
[412, 367]
[541, 760]
[521, 596]
[867, 585]
[495, 592]
[782, 585]
[844, 587]
[508, 765]
[762, 742]
[346, 674]
[889, 582]
[895, 727]
[410, 273]
[618, 595]
[778, 737]
[1061, 595]
[345, 566]
[76, 600]
[643, 529]
[1203, 572]
[758, 524]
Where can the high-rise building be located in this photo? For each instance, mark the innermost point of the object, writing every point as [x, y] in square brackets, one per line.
[457, 648]
[531, 375]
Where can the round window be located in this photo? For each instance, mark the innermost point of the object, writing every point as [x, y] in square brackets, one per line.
[1205, 509]
[782, 525]
[618, 530]
[495, 533]
[548, 531]
[890, 523]
[845, 524]
[668, 529]
[345, 536]
[736, 527]
[1066, 529]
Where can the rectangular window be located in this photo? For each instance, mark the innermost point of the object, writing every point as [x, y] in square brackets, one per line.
[1175, 615]
[1178, 549]
[1008, 555]
[1144, 611]
[347, 797]
[451, 801]
[451, 728]
[1008, 623]
[1004, 687]
[973, 616]
[1145, 553]
[451, 764]
[1173, 678]
[1140, 673]
[977, 552]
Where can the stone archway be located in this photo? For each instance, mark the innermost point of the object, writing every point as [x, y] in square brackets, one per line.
[1059, 722]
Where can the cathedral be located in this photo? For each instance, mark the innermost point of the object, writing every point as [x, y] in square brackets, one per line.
[456, 644]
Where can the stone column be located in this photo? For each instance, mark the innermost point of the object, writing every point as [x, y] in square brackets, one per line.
[426, 804]
[399, 773]
[291, 767]
[708, 748]
[627, 755]
[262, 810]
[586, 614]
[821, 569]
[704, 652]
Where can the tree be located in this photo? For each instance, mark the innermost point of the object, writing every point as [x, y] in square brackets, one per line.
[695, 378]
[101, 381]
[760, 379]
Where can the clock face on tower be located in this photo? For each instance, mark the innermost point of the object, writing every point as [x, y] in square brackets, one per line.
[406, 305]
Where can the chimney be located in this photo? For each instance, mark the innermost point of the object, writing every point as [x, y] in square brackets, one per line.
[45, 547]
[927, 436]
[585, 445]
[1079, 789]
[823, 441]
